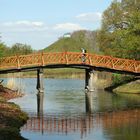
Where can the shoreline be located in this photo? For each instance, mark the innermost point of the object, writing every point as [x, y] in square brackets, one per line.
[11, 116]
[131, 87]
[52, 76]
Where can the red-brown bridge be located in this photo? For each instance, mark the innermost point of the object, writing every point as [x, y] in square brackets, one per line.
[86, 61]
[68, 59]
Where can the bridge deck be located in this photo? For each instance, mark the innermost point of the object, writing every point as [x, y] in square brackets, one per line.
[68, 59]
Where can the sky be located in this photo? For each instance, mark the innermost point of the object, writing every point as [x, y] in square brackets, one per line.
[39, 23]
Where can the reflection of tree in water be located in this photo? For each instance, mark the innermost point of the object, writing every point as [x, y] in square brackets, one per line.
[122, 125]
[110, 102]
[132, 100]
[127, 124]
[102, 101]
[116, 125]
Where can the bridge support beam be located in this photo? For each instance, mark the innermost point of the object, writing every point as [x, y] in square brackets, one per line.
[89, 80]
[40, 83]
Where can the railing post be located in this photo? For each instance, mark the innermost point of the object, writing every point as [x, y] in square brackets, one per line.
[112, 62]
[18, 62]
[42, 59]
[135, 67]
[90, 61]
[66, 57]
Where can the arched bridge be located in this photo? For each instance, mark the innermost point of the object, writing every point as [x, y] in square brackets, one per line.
[68, 59]
[87, 61]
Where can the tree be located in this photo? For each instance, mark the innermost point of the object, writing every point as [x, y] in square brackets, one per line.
[18, 49]
[120, 32]
[3, 48]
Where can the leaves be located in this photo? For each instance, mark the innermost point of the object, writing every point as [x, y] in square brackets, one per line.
[120, 32]
[16, 49]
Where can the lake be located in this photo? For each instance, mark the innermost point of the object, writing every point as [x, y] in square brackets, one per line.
[65, 112]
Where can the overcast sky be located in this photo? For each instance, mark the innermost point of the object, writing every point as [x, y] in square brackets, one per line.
[41, 22]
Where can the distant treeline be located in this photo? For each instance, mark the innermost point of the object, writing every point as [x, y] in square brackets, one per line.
[16, 49]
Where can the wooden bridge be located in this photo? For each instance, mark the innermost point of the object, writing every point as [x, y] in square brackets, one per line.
[68, 59]
[87, 61]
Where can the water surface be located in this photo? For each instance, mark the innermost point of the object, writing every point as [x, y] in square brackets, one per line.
[70, 113]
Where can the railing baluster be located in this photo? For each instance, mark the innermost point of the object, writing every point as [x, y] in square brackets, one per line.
[42, 58]
[18, 62]
[90, 61]
[66, 56]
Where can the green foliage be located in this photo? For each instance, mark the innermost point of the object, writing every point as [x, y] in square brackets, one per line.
[119, 79]
[16, 49]
[132, 87]
[3, 49]
[63, 45]
[19, 49]
[120, 32]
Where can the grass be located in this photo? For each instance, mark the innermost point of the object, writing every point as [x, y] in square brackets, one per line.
[132, 87]
[120, 80]
[68, 45]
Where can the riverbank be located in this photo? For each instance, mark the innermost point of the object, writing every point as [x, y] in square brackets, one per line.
[11, 117]
[130, 87]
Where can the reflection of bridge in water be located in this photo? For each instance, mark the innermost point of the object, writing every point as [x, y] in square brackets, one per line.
[85, 123]
[82, 123]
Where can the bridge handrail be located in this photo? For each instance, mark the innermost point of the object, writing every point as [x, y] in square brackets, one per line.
[56, 58]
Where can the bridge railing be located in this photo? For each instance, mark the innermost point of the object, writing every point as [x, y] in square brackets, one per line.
[115, 63]
[17, 62]
[43, 59]
[64, 58]
[8, 62]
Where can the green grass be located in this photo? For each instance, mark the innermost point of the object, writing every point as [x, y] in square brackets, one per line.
[120, 80]
[132, 87]
[68, 45]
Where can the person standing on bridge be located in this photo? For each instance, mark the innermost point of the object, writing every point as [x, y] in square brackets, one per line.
[83, 55]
